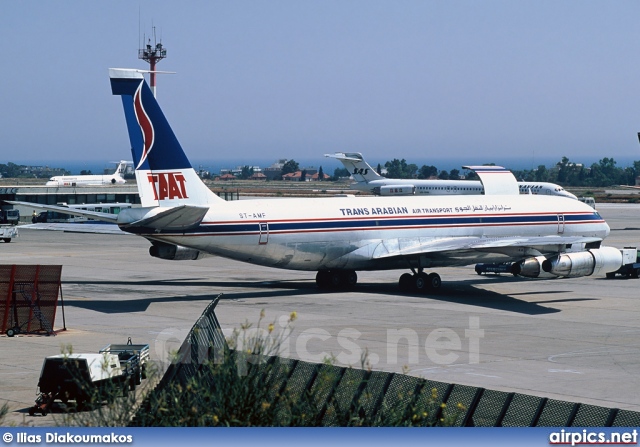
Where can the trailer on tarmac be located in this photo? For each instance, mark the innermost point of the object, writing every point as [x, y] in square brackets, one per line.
[134, 357]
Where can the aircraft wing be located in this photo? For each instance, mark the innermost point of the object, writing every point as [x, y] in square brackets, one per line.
[104, 217]
[394, 247]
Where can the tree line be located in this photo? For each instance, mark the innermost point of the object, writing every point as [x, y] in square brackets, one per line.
[565, 173]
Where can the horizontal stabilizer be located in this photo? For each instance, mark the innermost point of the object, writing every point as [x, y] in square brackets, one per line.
[353, 156]
[496, 180]
[104, 217]
[182, 217]
[98, 228]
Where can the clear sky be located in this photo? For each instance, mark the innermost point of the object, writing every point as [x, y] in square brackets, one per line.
[475, 81]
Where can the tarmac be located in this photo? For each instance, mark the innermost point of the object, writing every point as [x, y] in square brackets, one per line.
[572, 339]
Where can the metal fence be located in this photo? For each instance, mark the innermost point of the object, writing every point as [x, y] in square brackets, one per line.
[378, 392]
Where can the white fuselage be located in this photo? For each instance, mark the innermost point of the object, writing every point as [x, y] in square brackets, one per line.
[364, 233]
[459, 187]
[85, 180]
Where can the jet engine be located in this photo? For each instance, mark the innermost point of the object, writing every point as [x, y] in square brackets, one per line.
[395, 190]
[175, 252]
[530, 268]
[584, 263]
[571, 265]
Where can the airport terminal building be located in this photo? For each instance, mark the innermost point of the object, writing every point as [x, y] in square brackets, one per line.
[47, 195]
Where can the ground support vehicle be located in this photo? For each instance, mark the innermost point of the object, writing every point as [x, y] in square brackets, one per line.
[8, 232]
[90, 377]
[630, 264]
[504, 267]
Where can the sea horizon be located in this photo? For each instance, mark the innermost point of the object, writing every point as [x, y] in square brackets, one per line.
[328, 164]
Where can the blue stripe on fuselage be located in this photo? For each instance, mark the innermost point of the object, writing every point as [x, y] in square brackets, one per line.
[346, 224]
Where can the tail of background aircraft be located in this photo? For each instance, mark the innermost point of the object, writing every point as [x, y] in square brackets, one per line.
[121, 169]
[357, 167]
[163, 172]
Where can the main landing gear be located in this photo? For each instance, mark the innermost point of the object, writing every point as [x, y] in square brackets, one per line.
[419, 281]
[336, 279]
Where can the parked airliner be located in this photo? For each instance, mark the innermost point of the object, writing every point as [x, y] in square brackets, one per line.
[338, 236]
[368, 180]
[90, 180]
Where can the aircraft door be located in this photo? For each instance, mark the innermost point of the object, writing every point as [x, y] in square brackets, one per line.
[560, 223]
[264, 233]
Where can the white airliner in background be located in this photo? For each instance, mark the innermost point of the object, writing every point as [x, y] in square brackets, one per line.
[368, 180]
[338, 236]
[90, 180]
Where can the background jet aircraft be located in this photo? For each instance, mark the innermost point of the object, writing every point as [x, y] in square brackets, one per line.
[367, 179]
[90, 180]
[335, 237]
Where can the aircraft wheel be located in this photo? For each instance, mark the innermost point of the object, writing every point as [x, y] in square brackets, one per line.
[405, 282]
[349, 278]
[421, 282]
[334, 279]
[322, 279]
[434, 281]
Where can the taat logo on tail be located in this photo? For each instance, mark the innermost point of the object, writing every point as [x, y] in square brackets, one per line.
[145, 124]
[168, 185]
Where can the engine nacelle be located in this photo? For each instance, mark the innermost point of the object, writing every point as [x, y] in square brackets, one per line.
[395, 190]
[584, 263]
[530, 268]
[175, 252]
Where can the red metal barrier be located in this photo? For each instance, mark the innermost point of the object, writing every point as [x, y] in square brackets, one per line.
[28, 298]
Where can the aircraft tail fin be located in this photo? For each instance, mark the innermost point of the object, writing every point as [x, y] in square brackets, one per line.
[121, 169]
[163, 173]
[357, 167]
